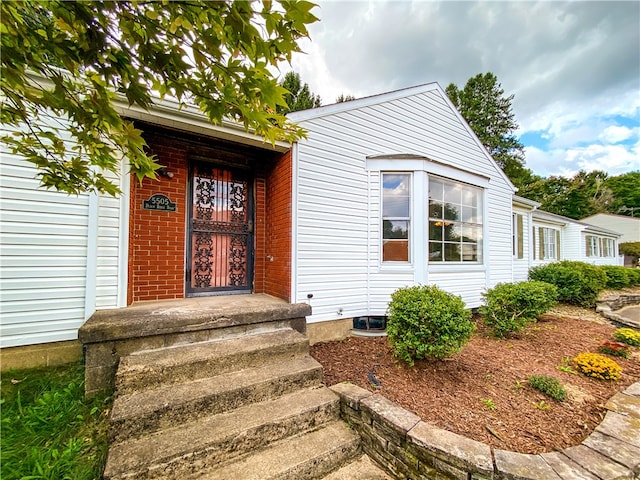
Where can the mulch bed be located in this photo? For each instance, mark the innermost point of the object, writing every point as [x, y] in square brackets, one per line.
[482, 392]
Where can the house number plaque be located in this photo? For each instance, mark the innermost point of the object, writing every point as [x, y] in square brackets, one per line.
[159, 201]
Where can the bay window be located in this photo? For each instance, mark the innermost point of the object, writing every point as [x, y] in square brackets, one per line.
[455, 221]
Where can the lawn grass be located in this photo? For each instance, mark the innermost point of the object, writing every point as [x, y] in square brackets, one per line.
[49, 431]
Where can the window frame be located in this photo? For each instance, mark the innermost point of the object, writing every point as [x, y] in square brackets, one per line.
[549, 237]
[408, 219]
[476, 207]
[517, 234]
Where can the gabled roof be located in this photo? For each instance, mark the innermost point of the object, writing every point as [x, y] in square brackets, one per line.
[337, 108]
[561, 220]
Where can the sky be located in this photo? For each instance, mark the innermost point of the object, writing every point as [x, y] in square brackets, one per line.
[573, 67]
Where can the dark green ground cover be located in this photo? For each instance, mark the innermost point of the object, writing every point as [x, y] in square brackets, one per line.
[49, 431]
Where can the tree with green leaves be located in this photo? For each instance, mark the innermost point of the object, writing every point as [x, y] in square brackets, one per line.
[65, 66]
[345, 98]
[586, 193]
[625, 189]
[488, 112]
[299, 96]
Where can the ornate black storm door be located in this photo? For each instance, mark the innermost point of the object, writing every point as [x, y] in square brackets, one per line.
[220, 250]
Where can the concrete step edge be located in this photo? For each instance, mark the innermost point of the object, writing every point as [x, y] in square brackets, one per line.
[144, 412]
[361, 468]
[311, 455]
[170, 365]
[219, 438]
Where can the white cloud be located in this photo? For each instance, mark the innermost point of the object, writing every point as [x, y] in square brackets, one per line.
[572, 66]
[616, 134]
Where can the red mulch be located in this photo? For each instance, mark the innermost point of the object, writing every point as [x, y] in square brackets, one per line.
[484, 387]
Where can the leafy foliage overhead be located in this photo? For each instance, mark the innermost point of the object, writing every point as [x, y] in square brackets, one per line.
[586, 194]
[72, 60]
[299, 96]
[488, 112]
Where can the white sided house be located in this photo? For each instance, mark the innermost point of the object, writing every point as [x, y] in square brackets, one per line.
[63, 256]
[390, 191]
[386, 191]
[560, 238]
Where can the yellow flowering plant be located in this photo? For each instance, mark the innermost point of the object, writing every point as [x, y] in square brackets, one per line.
[597, 366]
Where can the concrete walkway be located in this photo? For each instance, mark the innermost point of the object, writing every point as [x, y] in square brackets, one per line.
[632, 313]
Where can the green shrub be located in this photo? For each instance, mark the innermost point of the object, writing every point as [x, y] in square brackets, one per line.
[628, 336]
[634, 276]
[548, 385]
[578, 283]
[617, 276]
[427, 322]
[512, 306]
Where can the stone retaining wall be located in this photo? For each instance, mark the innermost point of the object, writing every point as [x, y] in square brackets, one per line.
[607, 308]
[408, 448]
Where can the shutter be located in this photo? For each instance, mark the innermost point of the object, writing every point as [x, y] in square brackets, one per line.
[520, 236]
[541, 239]
[558, 244]
[533, 241]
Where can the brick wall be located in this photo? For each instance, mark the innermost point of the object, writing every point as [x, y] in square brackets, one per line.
[157, 238]
[278, 228]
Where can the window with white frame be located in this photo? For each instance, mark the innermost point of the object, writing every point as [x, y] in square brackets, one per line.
[607, 249]
[396, 217]
[518, 235]
[549, 243]
[455, 221]
[592, 246]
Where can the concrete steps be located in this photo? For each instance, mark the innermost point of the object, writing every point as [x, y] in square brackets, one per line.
[161, 367]
[308, 456]
[240, 407]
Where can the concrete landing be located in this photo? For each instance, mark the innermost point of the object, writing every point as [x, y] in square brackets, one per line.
[114, 333]
[186, 315]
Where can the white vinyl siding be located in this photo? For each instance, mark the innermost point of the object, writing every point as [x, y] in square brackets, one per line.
[338, 205]
[61, 257]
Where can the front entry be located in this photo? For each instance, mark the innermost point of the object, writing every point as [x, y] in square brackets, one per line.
[220, 237]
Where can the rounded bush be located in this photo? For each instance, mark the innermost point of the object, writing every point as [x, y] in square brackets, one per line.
[634, 276]
[617, 276]
[578, 283]
[427, 322]
[628, 336]
[597, 366]
[512, 306]
[548, 385]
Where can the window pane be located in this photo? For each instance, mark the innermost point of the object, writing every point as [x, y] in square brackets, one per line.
[470, 197]
[471, 234]
[452, 193]
[452, 252]
[452, 232]
[435, 210]
[451, 212]
[435, 230]
[395, 250]
[435, 189]
[435, 251]
[395, 229]
[469, 214]
[469, 252]
[396, 195]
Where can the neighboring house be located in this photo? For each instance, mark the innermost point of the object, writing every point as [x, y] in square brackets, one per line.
[385, 191]
[629, 227]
